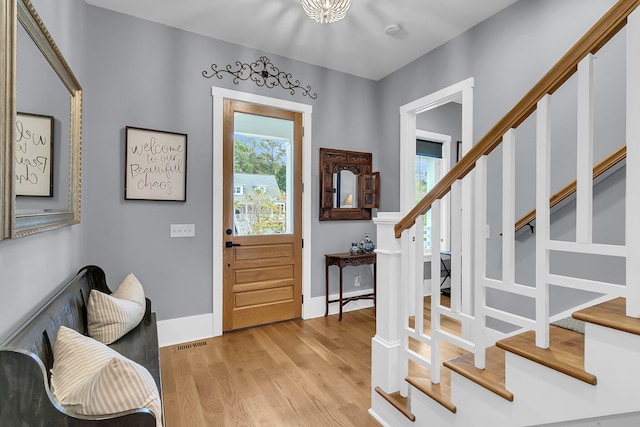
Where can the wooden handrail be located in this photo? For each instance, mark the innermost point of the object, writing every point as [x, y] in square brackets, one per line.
[606, 164]
[602, 31]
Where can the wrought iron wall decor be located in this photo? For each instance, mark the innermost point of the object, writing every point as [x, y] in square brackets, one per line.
[263, 73]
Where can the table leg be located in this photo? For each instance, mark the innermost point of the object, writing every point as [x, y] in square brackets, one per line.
[340, 317]
[326, 280]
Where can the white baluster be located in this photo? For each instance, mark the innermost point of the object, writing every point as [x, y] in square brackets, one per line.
[543, 178]
[467, 218]
[435, 291]
[508, 207]
[418, 283]
[633, 165]
[584, 189]
[457, 244]
[480, 270]
[406, 289]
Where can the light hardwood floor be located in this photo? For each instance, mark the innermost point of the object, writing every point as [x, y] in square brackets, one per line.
[298, 373]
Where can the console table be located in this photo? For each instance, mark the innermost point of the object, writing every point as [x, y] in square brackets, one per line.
[347, 260]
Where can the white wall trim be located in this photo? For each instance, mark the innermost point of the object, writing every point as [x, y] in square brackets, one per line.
[193, 328]
[460, 91]
[185, 329]
[219, 95]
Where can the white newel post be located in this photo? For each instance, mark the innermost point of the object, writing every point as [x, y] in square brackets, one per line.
[385, 345]
[632, 228]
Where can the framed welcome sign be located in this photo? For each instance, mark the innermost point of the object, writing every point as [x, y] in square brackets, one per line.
[155, 165]
[33, 154]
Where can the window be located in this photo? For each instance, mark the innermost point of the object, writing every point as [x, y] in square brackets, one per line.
[431, 163]
[237, 190]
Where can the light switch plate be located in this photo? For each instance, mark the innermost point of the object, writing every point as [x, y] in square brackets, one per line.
[183, 230]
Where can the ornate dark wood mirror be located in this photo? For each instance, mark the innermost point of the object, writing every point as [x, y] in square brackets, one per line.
[348, 188]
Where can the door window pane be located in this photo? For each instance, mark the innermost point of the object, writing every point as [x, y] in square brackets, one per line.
[263, 168]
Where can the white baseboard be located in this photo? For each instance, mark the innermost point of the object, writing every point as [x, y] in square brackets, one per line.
[185, 329]
[193, 328]
[316, 306]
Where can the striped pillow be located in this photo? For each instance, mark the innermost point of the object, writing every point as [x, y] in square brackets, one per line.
[75, 357]
[89, 378]
[109, 317]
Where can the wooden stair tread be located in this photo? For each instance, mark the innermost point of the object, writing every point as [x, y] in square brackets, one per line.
[441, 393]
[398, 402]
[565, 353]
[612, 314]
[492, 377]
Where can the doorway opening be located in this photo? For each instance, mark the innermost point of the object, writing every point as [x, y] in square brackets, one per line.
[460, 93]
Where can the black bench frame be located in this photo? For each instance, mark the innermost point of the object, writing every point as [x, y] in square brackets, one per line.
[26, 358]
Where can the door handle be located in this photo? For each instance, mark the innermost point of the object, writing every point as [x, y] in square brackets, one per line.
[230, 244]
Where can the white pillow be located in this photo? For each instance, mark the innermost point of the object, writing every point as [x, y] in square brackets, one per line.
[109, 317]
[90, 378]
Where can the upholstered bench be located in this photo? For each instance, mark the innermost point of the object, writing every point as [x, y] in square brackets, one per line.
[26, 360]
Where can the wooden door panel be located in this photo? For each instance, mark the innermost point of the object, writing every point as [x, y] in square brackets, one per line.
[255, 286]
[264, 296]
[259, 315]
[258, 252]
[263, 272]
[253, 275]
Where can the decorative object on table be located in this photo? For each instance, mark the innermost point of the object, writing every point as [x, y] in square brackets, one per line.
[33, 155]
[354, 248]
[366, 244]
[326, 11]
[155, 165]
[263, 73]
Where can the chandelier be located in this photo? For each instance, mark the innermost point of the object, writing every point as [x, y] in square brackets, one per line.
[326, 11]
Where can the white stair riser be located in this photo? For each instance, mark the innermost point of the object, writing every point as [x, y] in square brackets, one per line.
[425, 408]
[614, 357]
[383, 410]
[543, 395]
[479, 406]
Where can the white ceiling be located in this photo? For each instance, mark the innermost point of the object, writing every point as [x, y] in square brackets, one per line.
[356, 45]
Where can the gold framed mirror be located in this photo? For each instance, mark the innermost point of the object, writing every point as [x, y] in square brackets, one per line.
[38, 83]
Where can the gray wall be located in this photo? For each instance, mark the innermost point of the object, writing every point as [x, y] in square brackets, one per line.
[32, 268]
[149, 75]
[144, 74]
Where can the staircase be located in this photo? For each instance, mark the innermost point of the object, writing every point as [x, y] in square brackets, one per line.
[448, 364]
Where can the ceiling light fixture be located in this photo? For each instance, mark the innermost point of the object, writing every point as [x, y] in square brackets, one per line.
[326, 11]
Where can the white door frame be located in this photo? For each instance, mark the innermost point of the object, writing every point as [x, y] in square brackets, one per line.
[462, 91]
[219, 95]
[459, 92]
